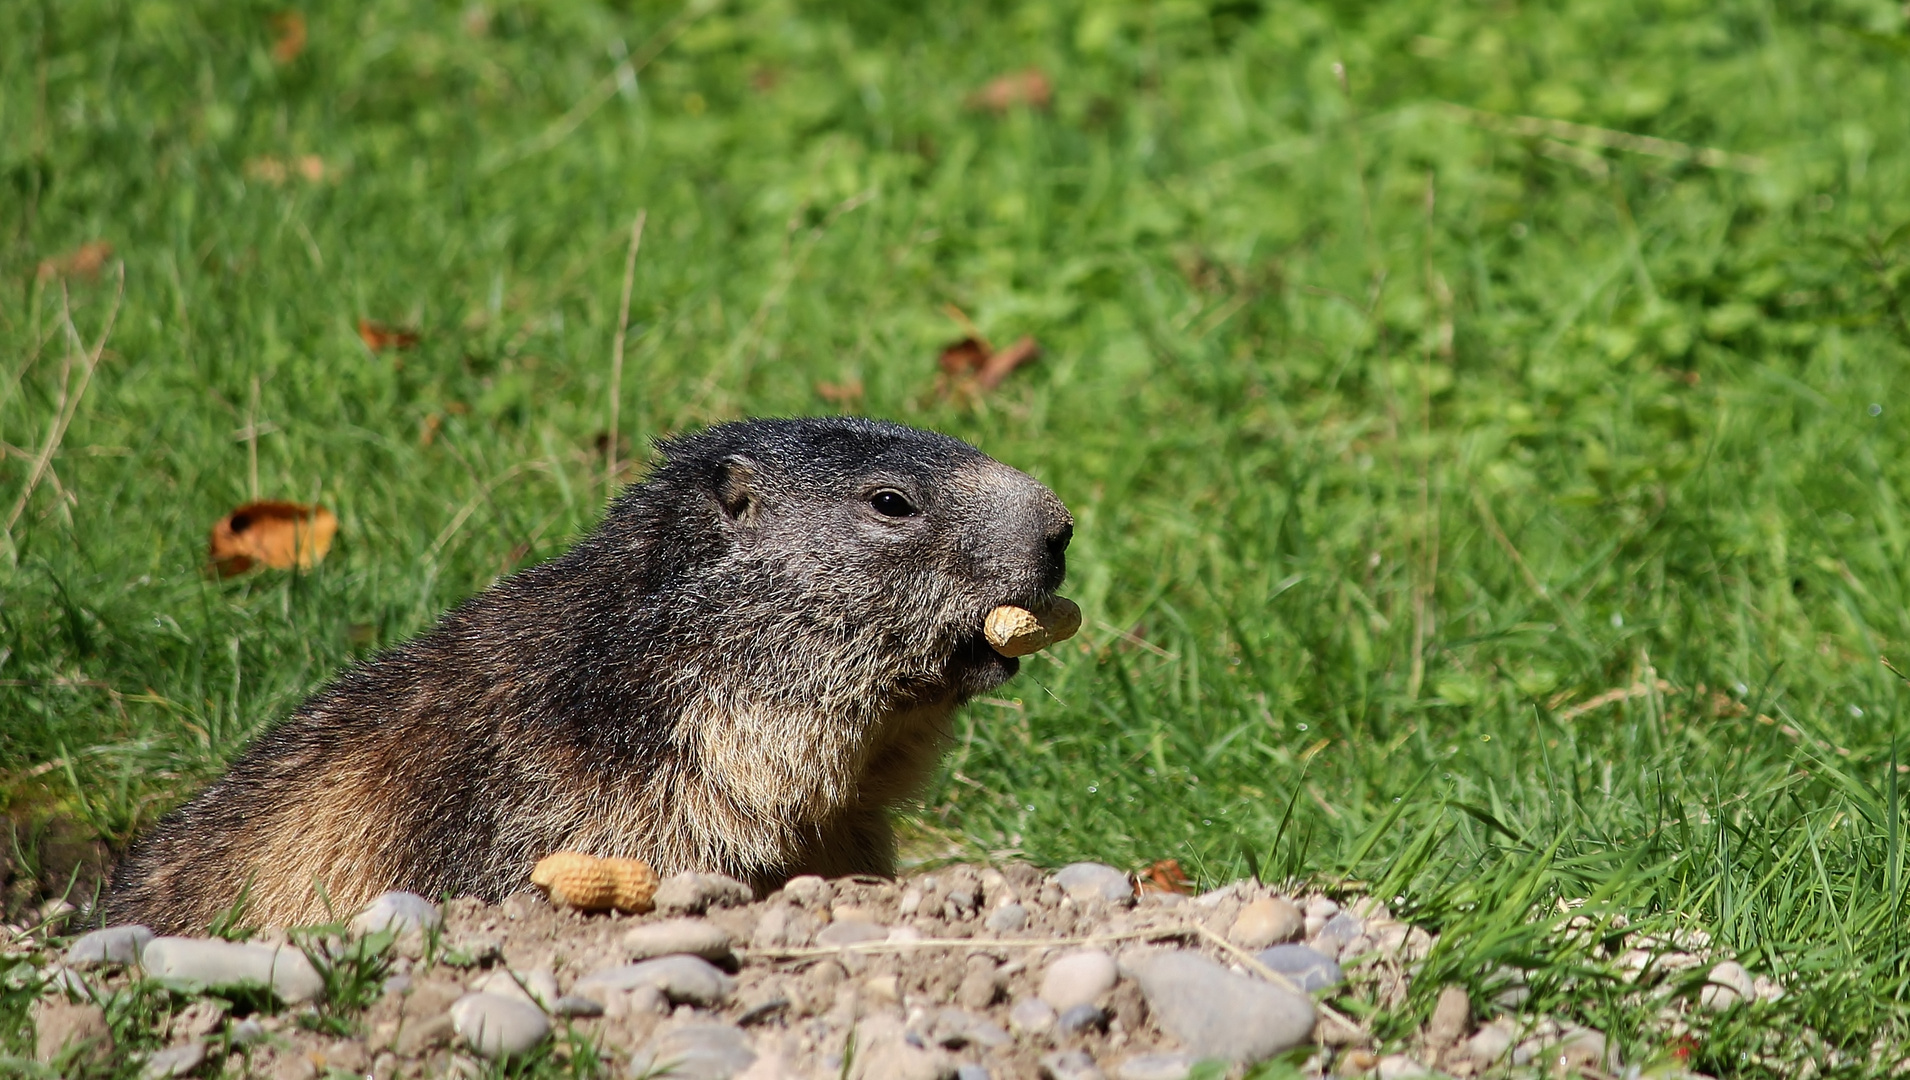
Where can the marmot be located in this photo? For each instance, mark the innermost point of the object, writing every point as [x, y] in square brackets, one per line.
[753, 656]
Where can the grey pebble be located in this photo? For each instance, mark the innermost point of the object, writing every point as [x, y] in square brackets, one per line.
[971, 1071]
[576, 1005]
[537, 987]
[696, 1052]
[399, 912]
[245, 1032]
[692, 937]
[498, 1026]
[113, 945]
[1086, 881]
[1339, 931]
[1081, 1019]
[683, 979]
[1007, 919]
[691, 893]
[174, 1061]
[1078, 978]
[809, 890]
[1070, 1065]
[1226, 1015]
[1309, 968]
[1726, 985]
[201, 962]
[396, 984]
[850, 932]
[1031, 1015]
[1155, 1067]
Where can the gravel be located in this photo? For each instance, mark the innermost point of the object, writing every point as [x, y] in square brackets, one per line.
[966, 972]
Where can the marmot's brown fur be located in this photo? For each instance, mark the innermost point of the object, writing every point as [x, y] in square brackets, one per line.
[741, 669]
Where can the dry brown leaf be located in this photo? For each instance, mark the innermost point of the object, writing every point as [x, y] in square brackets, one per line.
[288, 29]
[280, 535]
[83, 261]
[972, 366]
[1164, 876]
[309, 167]
[844, 395]
[1029, 87]
[378, 336]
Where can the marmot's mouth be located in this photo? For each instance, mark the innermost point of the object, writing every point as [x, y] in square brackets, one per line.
[978, 668]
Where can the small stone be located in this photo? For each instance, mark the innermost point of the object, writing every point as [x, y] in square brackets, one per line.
[959, 904]
[910, 903]
[198, 962]
[1267, 921]
[883, 989]
[981, 983]
[1031, 1016]
[399, 912]
[1310, 969]
[1726, 986]
[972, 1071]
[1581, 1048]
[691, 937]
[685, 980]
[173, 1061]
[1078, 978]
[1155, 1067]
[782, 926]
[1490, 1044]
[1090, 881]
[1069, 1065]
[113, 945]
[498, 1026]
[245, 1032]
[538, 986]
[809, 890]
[58, 1025]
[1401, 1067]
[1226, 1015]
[1451, 1018]
[1081, 1019]
[1337, 933]
[851, 932]
[700, 1051]
[692, 893]
[886, 1050]
[1007, 919]
[576, 1005]
[1767, 989]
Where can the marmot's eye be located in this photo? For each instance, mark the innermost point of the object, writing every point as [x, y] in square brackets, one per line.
[891, 503]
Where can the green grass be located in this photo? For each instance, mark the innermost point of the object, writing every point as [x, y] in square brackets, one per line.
[1392, 433]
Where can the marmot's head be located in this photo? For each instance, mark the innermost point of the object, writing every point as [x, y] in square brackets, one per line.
[870, 550]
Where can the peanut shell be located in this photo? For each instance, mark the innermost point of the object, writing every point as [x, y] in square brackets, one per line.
[1017, 631]
[588, 883]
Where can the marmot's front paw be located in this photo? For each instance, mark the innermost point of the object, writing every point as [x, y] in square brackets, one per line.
[588, 883]
[1016, 631]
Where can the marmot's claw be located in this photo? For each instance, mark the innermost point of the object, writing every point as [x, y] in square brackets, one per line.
[1016, 631]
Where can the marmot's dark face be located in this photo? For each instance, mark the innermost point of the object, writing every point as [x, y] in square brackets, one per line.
[905, 538]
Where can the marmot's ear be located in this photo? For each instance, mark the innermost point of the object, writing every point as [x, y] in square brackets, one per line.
[736, 489]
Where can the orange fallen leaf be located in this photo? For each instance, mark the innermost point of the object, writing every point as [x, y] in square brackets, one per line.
[842, 395]
[1003, 92]
[289, 42]
[273, 170]
[83, 261]
[973, 365]
[280, 535]
[1164, 876]
[378, 336]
